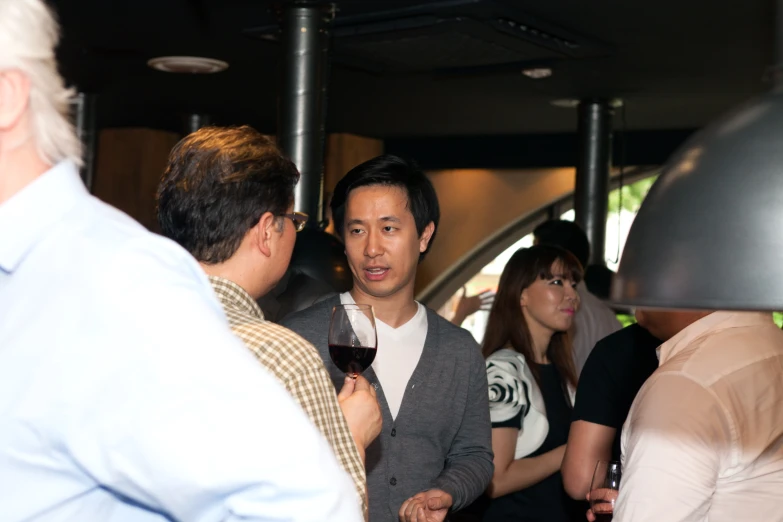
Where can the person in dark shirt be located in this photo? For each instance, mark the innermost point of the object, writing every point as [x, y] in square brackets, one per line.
[531, 377]
[608, 387]
[613, 376]
[614, 372]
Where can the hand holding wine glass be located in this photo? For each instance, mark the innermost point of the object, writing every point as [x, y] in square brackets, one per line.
[362, 412]
[353, 341]
[604, 490]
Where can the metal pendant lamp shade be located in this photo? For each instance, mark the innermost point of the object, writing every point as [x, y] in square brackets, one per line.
[709, 235]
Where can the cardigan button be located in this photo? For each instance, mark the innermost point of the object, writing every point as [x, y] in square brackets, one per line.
[394, 432]
[393, 481]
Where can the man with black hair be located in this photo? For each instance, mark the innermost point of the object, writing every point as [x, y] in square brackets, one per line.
[594, 319]
[434, 454]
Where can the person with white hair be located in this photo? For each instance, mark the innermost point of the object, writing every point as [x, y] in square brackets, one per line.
[123, 394]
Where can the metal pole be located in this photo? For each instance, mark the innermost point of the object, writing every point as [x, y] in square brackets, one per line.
[591, 197]
[302, 101]
[195, 121]
[85, 123]
[777, 69]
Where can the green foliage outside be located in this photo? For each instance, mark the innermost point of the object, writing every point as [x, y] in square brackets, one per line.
[633, 195]
[627, 320]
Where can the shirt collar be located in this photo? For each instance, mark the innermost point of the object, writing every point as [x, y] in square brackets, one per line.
[712, 323]
[30, 214]
[346, 298]
[233, 296]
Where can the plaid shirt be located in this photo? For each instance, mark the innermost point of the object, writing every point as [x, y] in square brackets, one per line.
[297, 365]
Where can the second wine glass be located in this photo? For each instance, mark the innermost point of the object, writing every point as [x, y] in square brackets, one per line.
[353, 341]
[604, 489]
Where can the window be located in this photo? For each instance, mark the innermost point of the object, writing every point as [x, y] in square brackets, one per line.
[622, 212]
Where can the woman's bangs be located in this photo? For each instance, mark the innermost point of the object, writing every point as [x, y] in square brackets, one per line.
[566, 266]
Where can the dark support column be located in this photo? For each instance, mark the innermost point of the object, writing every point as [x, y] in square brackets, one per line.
[195, 121]
[84, 106]
[777, 69]
[591, 196]
[302, 102]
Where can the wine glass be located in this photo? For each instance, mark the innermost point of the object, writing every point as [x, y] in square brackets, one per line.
[353, 341]
[604, 489]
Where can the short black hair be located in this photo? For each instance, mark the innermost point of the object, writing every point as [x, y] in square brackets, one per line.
[218, 183]
[393, 171]
[598, 280]
[566, 235]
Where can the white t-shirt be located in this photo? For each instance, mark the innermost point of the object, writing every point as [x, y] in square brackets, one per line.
[399, 351]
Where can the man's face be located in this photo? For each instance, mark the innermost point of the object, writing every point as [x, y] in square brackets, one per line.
[381, 240]
[665, 324]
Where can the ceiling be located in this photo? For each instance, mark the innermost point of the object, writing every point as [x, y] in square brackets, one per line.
[676, 64]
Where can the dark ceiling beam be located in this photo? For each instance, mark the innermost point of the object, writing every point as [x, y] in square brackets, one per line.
[532, 151]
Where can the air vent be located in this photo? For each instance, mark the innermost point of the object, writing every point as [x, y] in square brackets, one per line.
[471, 36]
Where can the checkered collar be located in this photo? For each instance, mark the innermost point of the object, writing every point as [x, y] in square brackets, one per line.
[233, 296]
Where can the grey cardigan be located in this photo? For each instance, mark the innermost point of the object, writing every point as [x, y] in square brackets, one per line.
[442, 436]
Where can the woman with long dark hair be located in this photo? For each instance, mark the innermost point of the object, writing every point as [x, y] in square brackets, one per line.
[531, 375]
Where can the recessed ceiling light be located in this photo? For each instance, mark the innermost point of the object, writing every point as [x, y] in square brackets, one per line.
[187, 64]
[537, 73]
[566, 103]
[573, 103]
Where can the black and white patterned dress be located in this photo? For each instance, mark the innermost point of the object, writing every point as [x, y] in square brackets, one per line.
[543, 416]
[515, 400]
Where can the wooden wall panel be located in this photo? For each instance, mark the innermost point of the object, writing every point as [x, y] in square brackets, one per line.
[344, 152]
[129, 165]
[130, 162]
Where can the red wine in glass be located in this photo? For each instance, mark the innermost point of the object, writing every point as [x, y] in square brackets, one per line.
[353, 360]
[353, 341]
[604, 489]
[601, 516]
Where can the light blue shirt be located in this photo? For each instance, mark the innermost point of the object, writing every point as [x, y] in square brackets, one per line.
[123, 394]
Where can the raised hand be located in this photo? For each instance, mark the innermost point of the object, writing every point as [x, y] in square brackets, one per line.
[467, 306]
[428, 506]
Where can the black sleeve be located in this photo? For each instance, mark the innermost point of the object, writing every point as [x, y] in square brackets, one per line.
[598, 394]
[513, 422]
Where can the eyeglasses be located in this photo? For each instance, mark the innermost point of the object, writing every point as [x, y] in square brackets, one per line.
[299, 219]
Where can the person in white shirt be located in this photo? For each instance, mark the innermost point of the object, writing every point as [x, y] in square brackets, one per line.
[595, 320]
[704, 438]
[124, 397]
